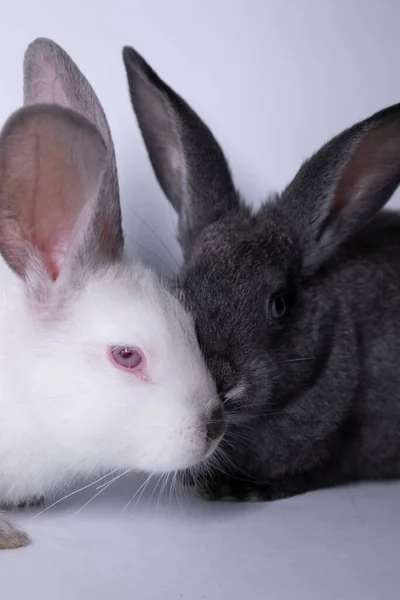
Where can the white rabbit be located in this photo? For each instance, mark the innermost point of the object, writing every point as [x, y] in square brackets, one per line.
[99, 364]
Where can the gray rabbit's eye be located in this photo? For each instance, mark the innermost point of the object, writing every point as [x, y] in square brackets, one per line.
[279, 306]
[181, 296]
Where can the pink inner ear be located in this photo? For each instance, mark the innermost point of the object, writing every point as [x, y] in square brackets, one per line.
[54, 256]
[371, 167]
[51, 168]
[58, 200]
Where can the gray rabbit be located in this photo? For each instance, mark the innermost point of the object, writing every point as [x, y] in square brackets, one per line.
[297, 306]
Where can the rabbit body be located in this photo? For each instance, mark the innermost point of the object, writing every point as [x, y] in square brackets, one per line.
[100, 369]
[296, 305]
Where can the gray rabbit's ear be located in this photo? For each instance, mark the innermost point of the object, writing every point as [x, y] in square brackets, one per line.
[188, 162]
[339, 189]
[51, 77]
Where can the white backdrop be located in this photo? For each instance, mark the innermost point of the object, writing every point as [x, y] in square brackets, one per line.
[274, 80]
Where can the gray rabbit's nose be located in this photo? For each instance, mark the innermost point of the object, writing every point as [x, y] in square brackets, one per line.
[216, 425]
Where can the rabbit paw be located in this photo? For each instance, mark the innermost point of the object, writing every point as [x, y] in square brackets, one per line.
[11, 537]
[33, 502]
[241, 491]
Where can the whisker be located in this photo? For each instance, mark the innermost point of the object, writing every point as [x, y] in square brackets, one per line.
[148, 251]
[292, 360]
[172, 488]
[144, 484]
[155, 487]
[142, 492]
[98, 493]
[163, 487]
[85, 487]
[115, 478]
[155, 234]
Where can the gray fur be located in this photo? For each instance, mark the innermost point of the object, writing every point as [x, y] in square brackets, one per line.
[167, 124]
[313, 397]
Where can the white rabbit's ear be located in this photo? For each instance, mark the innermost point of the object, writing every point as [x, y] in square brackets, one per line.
[50, 76]
[52, 166]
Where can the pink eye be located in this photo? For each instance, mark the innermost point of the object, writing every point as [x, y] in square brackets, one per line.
[126, 357]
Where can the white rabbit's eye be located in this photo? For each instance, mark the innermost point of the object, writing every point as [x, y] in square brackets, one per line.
[181, 296]
[126, 357]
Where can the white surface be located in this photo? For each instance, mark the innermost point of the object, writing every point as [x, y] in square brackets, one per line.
[274, 80]
[338, 545]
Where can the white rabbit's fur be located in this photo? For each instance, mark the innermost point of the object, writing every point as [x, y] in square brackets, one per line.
[66, 409]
